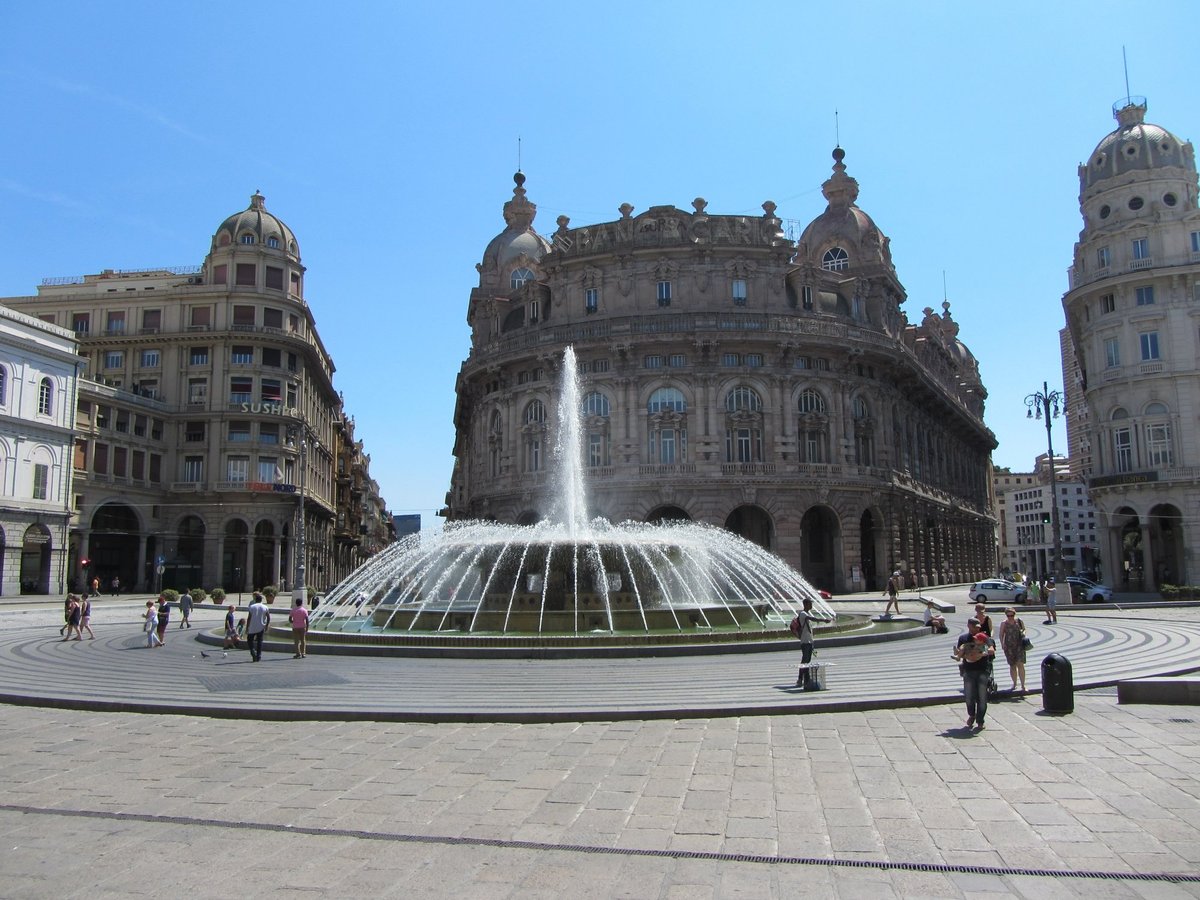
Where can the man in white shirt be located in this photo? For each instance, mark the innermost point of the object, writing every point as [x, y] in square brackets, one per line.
[258, 617]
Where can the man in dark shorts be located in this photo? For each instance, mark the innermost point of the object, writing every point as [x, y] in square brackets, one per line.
[975, 650]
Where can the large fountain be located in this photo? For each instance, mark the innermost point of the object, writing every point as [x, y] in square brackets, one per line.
[568, 577]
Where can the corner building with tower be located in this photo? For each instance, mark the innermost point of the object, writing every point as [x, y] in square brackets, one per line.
[1131, 359]
[734, 377]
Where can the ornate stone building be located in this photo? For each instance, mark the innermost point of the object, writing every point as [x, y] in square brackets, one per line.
[1133, 381]
[734, 377]
[209, 419]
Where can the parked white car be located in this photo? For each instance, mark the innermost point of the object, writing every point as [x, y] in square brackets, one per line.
[1088, 590]
[997, 590]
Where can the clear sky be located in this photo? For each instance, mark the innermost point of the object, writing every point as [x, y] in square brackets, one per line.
[385, 135]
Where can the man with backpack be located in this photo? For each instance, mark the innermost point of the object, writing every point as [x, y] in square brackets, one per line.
[802, 628]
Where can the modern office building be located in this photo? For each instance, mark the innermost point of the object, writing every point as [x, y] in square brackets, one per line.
[1132, 310]
[735, 377]
[39, 374]
[209, 420]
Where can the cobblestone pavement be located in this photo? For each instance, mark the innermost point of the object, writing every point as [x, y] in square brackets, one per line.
[891, 802]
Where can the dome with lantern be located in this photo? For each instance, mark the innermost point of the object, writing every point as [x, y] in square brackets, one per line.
[254, 225]
[518, 243]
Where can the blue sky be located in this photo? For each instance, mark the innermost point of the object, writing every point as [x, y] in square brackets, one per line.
[385, 135]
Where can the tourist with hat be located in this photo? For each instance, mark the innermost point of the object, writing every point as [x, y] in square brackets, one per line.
[892, 591]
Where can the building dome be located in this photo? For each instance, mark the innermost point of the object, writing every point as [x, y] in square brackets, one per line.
[518, 238]
[843, 225]
[254, 225]
[1135, 146]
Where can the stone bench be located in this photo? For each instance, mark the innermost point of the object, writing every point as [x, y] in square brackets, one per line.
[1183, 690]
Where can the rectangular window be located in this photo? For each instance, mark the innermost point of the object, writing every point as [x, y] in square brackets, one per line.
[1158, 445]
[245, 274]
[738, 292]
[243, 318]
[595, 450]
[600, 365]
[268, 434]
[1103, 258]
[242, 356]
[193, 432]
[273, 318]
[1145, 295]
[155, 468]
[120, 461]
[201, 317]
[1123, 450]
[534, 311]
[293, 393]
[666, 442]
[806, 297]
[591, 300]
[1108, 303]
[1149, 341]
[730, 359]
[272, 390]
[821, 364]
[151, 321]
[1112, 352]
[197, 391]
[137, 467]
[114, 359]
[123, 421]
[676, 360]
[1141, 248]
[100, 459]
[198, 356]
[220, 274]
[237, 469]
[239, 432]
[274, 278]
[664, 293]
[115, 324]
[41, 481]
[150, 359]
[272, 356]
[652, 362]
[754, 360]
[193, 469]
[268, 470]
[139, 426]
[240, 390]
[81, 323]
[802, 362]
[743, 441]
[295, 284]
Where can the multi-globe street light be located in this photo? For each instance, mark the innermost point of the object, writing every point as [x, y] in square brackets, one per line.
[1052, 404]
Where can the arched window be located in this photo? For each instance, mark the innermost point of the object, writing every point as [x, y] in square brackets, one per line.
[667, 427]
[46, 397]
[1159, 451]
[864, 432]
[743, 399]
[534, 431]
[247, 238]
[519, 277]
[812, 427]
[858, 409]
[495, 439]
[273, 242]
[743, 426]
[1122, 442]
[835, 259]
[595, 408]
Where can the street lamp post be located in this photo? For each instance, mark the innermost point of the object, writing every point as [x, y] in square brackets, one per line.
[299, 589]
[1052, 404]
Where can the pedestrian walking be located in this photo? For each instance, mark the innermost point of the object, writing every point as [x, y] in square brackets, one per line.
[96, 586]
[892, 591]
[802, 628]
[985, 621]
[150, 626]
[1051, 603]
[231, 632]
[258, 617]
[1012, 642]
[115, 586]
[185, 610]
[85, 617]
[974, 651]
[299, 617]
[74, 617]
[66, 616]
[164, 618]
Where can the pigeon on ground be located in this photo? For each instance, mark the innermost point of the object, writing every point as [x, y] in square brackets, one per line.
[205, 655]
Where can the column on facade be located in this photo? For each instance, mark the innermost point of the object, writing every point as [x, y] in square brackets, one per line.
[140, 573]
[220, 563]
[83, 537]
[1149, 576]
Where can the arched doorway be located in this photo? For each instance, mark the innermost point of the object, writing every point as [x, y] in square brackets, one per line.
[185, 570]
[35, 560]
[818, 534]
[263, 572]
[113, 546]
[236, 553]
[868, 537]
[667, 514]
[1167, 545]
[752, 523]
[1131, 564]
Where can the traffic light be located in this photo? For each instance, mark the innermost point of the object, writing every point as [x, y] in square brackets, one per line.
[84, 562]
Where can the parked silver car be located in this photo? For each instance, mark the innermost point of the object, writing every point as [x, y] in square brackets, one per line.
[1089, 591]
[998, 590]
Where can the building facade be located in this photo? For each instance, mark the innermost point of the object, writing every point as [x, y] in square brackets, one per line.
[1132, 311]
[734, 377]
[209, 421]
[39, 375]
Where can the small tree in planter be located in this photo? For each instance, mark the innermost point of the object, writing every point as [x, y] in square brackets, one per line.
[270, 592]
[217, 595]
[199, 595]
[170, 595]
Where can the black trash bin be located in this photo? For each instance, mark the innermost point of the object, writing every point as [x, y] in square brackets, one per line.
[1058, 685]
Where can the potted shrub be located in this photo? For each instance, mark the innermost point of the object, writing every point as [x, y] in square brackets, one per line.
[269, 593]
[170, 595]
[217, 595]
[198, 595]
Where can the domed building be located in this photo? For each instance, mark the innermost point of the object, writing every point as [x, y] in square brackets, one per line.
[1134, 386]
[734, 377]
[207, 420]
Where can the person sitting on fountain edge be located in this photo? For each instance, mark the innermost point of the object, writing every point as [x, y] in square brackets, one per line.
[802, 628]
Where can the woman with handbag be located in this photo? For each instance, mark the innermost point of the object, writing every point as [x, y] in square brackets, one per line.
[1014, 643]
